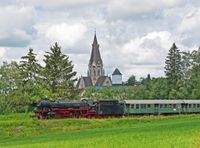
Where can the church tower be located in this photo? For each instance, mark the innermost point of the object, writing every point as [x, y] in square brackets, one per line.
[95, 74]
[95, 66]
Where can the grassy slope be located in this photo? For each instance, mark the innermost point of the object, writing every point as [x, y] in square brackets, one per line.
[18, 130]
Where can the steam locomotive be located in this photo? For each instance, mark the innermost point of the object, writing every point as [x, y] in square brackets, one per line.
[88, 108]
[46, 109]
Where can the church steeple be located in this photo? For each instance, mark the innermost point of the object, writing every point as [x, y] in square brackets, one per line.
[95, 63]
[96, 76]
[95, 55]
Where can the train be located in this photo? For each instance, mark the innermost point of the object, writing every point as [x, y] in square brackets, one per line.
[91, 108]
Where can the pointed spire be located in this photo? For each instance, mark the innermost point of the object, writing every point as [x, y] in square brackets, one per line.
[95, 39]
[174, 46]
[95, 55]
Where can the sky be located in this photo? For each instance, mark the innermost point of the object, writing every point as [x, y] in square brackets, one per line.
[134, 36]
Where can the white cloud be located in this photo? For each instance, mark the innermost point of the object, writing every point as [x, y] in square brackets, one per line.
[147, 50]
[191, 22]
[66, 34]
[16, 25]
[189, 28]
[68, 2]
[147, 54]
[133, 7]
[134, 42]
[2, 52]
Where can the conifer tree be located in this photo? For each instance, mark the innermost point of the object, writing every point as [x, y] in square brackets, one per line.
[173, 67]
[29, 68]
[58, 71]
[30, 77]
[196, 62]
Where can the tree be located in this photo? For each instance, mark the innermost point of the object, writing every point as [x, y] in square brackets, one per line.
[11, 97]
[30, 76]
[196, 62]
[173, 67]
[186, 65]
[195, 76]
[29, 68]
[9, 77]
[58, 71]
[159, 89]
[131, 80]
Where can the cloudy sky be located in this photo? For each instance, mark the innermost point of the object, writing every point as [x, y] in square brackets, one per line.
[134, 35]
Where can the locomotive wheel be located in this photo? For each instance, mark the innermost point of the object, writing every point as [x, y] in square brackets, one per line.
[77, 114]
[40, 116]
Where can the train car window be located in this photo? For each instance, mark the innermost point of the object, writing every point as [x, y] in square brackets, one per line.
[165, 105]
[198, 105]
[143, 106]
[161, 105]
[137, 106]
[190, 105]
[194, 105]
[133, 106]
[174, 105]
[148, 105]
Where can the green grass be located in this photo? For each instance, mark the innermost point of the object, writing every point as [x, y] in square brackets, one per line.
[19, 130]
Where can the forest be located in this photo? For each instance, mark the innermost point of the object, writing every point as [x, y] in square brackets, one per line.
[27, 81]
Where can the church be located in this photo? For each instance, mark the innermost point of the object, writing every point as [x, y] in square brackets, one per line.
[96, 75]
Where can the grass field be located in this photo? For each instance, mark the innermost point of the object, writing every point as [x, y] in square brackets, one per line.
[21, 131]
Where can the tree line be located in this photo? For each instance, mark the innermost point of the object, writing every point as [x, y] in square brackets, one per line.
[181, 81]
[27, 81]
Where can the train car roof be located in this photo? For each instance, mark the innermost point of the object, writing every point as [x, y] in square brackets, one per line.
[153, 101]
[162, 101]
[192, 101]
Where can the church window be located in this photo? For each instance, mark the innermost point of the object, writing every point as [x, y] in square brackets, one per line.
[98, 72]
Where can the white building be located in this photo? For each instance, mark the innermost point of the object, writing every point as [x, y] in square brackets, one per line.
[116, 77]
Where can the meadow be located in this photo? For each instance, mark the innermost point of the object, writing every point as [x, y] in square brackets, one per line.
[22, 131]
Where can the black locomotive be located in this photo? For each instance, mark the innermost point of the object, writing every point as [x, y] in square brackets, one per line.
[78, 108]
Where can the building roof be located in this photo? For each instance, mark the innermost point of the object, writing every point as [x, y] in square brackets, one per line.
[87, 81]
[95, 55]
[101, 80]
[116, 72]
[78, 83]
